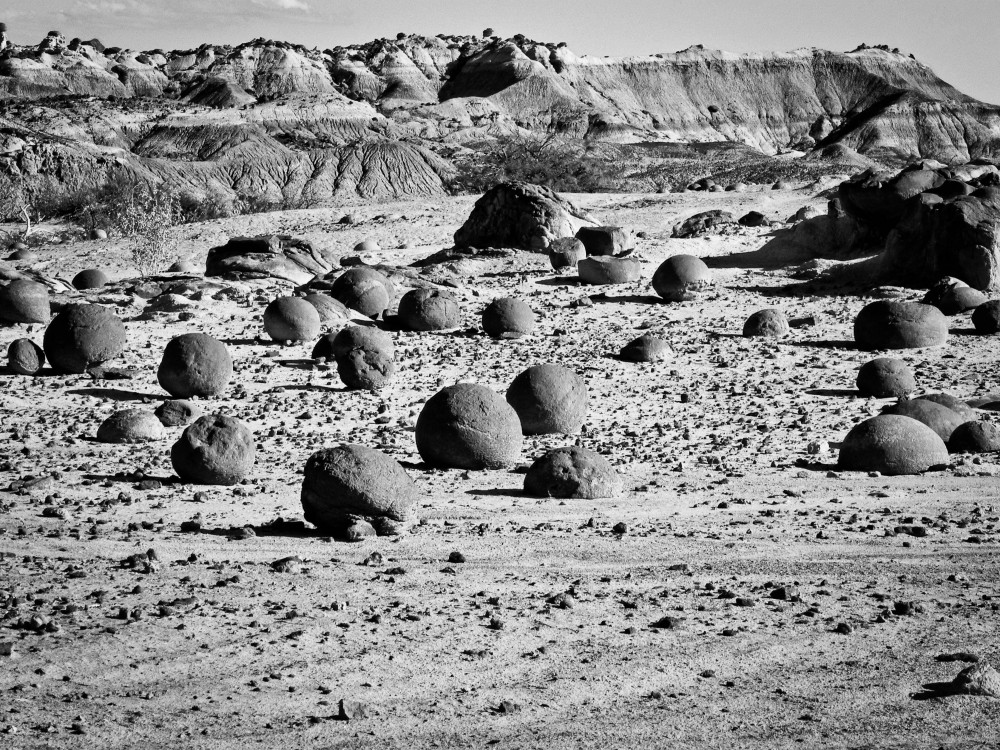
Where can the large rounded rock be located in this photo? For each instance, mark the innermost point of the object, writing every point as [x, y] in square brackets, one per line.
[606, 269]
[429, 310]
[889, 324]
[885, 377]
[566, 252]
[291, 319]
[468, 426]
[365, 290]
[939, 418]
[646, 348]
[82, 336]
[25, 357]
[214, 450]
[195, 364]
[365, 356]
[892, 444]
[957, 405]
[768, 323]
[549, 399]
[604, 240]
[976, 436]
[508, 318]
[960, 299]
[131, 426]
[681, 278]
[177, 412]
[986, 317]
[24, 301]
[352, 483]
[331, 312]
[572, 473]
[91, 278]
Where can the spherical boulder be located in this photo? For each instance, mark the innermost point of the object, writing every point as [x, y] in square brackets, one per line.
[365, 356]
[889, 324]
[957, 405]
[331, 312]
[508, 318]
[578, 473]
[291, 319]
[365, 290]
[939, 418]
[195, 364]
[214, 450]
[24, 301]
[549, 399]
[960, 299]
[768, 323]
[429, 310]
[892, 444]
[353, 483]
[885, 377]
[367, 247]
[468, 426]
[646, 348]
[986, 317]
[681, 278]
[607, 269]
[976, 436]
[177, 412]
[131, 426]
[91, 278]
[82, 336]
[566, 252]
[25, 357]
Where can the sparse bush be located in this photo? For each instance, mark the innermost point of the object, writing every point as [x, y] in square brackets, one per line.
[144, 215]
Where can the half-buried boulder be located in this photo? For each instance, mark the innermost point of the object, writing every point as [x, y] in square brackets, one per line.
[681, 278]
[508, 318]
[953, 296]
[365, 290]
[578, 473]
[889, 324]
[195, 364]
[24, 301]
[939, 418]
[957, 405]
[82, 336]
[885, 377]
[354, 484]
[25, 357]
[468, 426]
[646, 348]
[566, 252]
[549, 399]
[177, 412]
[701, 223]
[131, 426]
[606, 269]
[429, 310]
[976, 436]
[291, 319]
[986, 317]
[331, 312]
[892, 444]
[91, 278]
[214, 450]
[768, 323]
[518, 214]
[365, 356]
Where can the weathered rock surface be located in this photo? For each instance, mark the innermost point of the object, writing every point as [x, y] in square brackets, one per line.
[278, 256]
[131, 426]
[214, 450]
[365, 356]
[195, 364]
[938, 417]
[573, 472]
[975, 436]
[25, 357]
[885, 377]
[24, 301]
[606, 269]
[647, 348]
[508, 318]
[291, 319]
[702, 223]
[429, 310]
[177, 412]
[769, 323]
[604, 240]
[681, 278]
[566, 252]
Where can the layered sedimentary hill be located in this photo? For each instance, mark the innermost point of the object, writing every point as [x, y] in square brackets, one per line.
[276, 120]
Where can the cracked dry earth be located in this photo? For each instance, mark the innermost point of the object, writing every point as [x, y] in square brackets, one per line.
[796, 606]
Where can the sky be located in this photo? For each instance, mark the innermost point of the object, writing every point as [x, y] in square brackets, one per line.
[959, 39]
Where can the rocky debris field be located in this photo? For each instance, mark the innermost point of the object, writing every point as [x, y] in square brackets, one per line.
[740, 590]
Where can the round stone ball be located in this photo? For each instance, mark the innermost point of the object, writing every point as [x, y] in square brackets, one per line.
[429, 310]
[768, 323]
[508, 318]
[365, 290]
[681, 278]
[24, 301]
[889, 324]
[25, 357]
[367, 247]
[82, 336]
[607, 269]
[177, 412]
[195, 364]
[468, 426]
[939, 418]
[577, 473]
[353, 483]
[214, 450]
[957, 405]
[960, 299]
[331, 312]
[549, 399]
[131, 426]
[91, 278]
[291, 319]
[892, 444]
[976, 436]
[566, 252]
[986, 317]
[646, 348]
[365, 356]
[885, 377]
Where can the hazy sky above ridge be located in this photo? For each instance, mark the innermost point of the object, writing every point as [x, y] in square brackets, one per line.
[959, 39]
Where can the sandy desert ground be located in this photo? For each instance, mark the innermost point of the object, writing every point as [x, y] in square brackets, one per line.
[541, 637]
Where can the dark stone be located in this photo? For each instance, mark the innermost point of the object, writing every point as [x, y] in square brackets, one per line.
[886, 378]
[177, 412]
[646, 348]
[429, 310]
[892, 444]
[549, 399]
[92, 278]
[195, 364]
[753, 219]
[939, 418]
[681, 278]
[604, 240]
[889, 324]
[572, 473]
[508, 318]
[468, 426]
[214, 450]
[25, 357]
[82, 336]
[365, 290]
[24, 301]
[975, 437]
[986, 317]
[769, 323]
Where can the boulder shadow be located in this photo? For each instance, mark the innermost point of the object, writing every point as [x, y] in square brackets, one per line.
[248, 342]
[117, 394]
[518, 492]
[561, 281]
[307, 387]
[932, 690]
[834, 392]
[638, 299]
[819, 465]
[297, 364]
[825, 344]
[118, 479]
